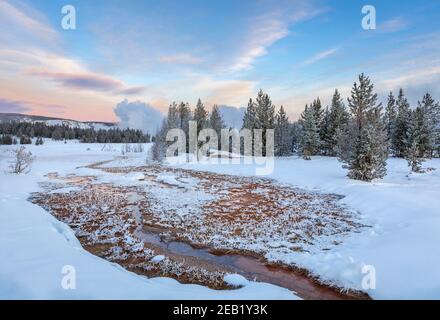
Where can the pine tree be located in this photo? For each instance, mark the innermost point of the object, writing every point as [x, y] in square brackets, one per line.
[200, 116]
[160, 145]
[338, 119]
[402, 123]
[414, 152]
[283, 145]
[310, 135]
[390, 118]
[265, 116]
[250, 116]
[366, 157]
[317, 110]
[431, 124]
[173, 117]
[216, 122]
[324, 133]
[185, 116]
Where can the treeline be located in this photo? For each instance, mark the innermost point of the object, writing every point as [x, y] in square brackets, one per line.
[362, 134]
[365, 134]
[25, 131]
[178, 117]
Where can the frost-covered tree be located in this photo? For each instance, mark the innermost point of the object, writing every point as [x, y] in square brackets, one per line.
[158, 150]
[283, 141]
[172, 121]
[201, 116]
[416, 135]
[310, 135]
[295, 136]
[324, 133]
[402, 123]
[365, 157]
[185, 116]
[21, 161]
[265, 115]
[216, 121]
[390, 117]
[318, 111]
[173, 117]
[250, 116]
[431, 126]
[338, 119]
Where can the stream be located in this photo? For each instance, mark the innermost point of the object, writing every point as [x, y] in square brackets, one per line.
[253, 269]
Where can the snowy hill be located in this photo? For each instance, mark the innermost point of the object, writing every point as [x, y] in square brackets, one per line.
[51, 121]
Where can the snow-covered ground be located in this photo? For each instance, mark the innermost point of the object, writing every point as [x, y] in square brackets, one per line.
[401, 244]
[404, 214]
[34, 246]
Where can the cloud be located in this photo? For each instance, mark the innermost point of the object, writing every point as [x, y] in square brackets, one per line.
[265, 32]
[180, 59]
[393, 25]
[22, 106]
[269, 28]
[26, 22]
[320, 56]
[89, 81]
[11, 106]
[138, 115]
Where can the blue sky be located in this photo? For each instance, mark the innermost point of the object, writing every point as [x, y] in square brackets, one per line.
[220, 51]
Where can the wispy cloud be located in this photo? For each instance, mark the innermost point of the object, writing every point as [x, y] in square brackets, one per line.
[269, 28]
[319, 56]
[25, 106]
[26, 19]
[183, 58]
[393, 25]
[89, 81]
[12, 106]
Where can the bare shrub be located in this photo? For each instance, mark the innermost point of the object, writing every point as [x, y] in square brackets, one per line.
[22, 160]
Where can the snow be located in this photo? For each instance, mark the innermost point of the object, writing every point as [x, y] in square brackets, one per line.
[402, 210]
[158, 258]
[35, 247]
[401, 243]
[235, 280]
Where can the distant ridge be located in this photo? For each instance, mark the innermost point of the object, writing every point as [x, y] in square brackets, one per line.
[6, 117]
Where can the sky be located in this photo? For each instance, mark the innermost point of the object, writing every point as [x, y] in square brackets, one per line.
[153, 52]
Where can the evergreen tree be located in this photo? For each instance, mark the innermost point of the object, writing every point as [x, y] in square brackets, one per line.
[173, 117]
[324, 133]
[216, 122]
[283, 144]
[431, 124]
[317, 111]
[185, 117]
[402, 123]
[416, 135]
[200, 116]
[390, 118]
[265, 116]
[310, 135]
[158, 150]
[338, 119]
[295, 136]
[366, 156]
[250, 116]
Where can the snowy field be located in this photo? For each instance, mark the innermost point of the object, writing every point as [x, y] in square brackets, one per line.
[401, 243]
[34, 246]
[404, 214]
